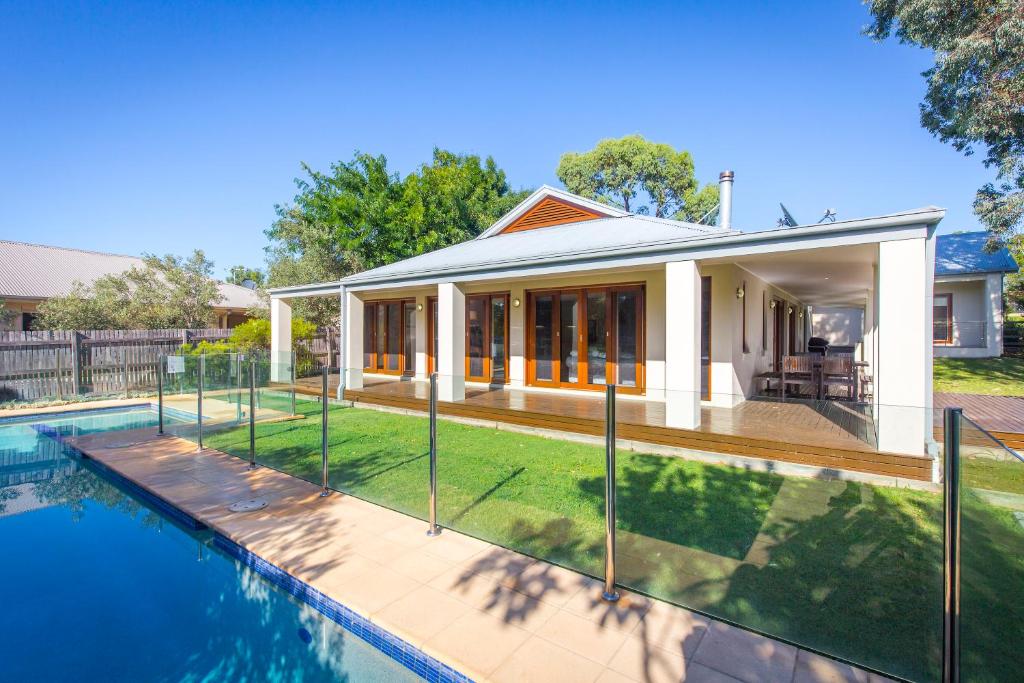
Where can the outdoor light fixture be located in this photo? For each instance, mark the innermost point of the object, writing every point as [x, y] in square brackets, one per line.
[419, 307]
[515, 303]
[740, 293]
[772, 304]
[789, 310]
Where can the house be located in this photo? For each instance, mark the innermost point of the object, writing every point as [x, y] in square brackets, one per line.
[564, 294]
[967, 308]
[32, 273]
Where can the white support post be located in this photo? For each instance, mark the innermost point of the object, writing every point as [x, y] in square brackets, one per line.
[904, 346]
[451, 342]
[682, 345]
[280, 340]
[352, 341]
[517, 337]
[994, 314]
[341, 343]
[421, 337]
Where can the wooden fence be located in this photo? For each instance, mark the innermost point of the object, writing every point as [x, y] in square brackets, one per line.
[1013, 339]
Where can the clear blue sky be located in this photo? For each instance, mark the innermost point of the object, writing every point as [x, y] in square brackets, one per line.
[161, 127]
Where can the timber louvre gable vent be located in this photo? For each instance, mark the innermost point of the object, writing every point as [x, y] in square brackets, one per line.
[550, 211]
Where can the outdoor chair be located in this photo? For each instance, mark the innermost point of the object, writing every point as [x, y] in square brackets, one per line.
[797, 370]
[838, 371]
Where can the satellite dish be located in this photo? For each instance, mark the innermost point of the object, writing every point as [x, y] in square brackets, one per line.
[787, 220]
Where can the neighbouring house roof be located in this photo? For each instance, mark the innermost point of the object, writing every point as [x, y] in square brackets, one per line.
[39, 271]
[963, 253]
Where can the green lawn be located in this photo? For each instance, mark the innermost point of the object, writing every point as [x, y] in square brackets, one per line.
[847, 568]
[993, 376]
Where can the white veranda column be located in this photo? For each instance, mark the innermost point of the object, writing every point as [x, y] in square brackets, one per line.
[421, 337]
[352, 341]
[994, 314]
[451, 342]
[682, 345]
[280, 340]
[904, 347]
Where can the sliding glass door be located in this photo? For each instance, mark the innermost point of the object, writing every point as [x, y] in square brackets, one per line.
[586, 338]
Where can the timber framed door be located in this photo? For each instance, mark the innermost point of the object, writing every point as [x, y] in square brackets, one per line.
[585, 338]
[389, 343]
[487, 329]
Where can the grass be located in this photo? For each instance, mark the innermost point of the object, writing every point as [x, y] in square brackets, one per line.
[1002, 376]
[847, 568]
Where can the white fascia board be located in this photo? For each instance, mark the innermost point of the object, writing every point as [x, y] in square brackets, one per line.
[921, 223]
[539, 194]
[734, 245]
[966, 277]
[298, 291]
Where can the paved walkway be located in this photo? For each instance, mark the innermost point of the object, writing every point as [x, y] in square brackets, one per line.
[491, 613]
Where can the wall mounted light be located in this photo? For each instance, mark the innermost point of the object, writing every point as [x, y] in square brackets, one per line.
[740, 293]
[515, 303]
[789, 310]
[801, 314]
[419, 307]
[772, 304]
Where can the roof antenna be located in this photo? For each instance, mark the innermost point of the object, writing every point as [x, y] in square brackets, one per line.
[829, 217]
[787, 220]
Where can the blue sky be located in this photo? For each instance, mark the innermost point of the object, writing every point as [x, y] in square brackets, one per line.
[161, 127]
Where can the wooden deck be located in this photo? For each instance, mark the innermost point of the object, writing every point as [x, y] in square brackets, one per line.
[829, 434]
[1001, 416]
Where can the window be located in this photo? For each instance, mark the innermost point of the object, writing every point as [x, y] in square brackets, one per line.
[743, 315]
[942, 319]
[389, 340]
[487, 337]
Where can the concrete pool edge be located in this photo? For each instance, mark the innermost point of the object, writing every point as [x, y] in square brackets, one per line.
[388, 644]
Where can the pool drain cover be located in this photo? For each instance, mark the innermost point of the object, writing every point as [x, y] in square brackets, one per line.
[248, 505]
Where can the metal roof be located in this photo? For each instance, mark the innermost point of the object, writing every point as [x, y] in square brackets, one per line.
[963, 253]
[39, 271]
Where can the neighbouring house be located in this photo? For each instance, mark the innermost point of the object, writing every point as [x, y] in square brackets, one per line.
[968, 299]
[564, 294]
[32, 273]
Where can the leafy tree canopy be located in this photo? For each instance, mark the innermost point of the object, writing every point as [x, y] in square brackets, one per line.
[975, 96]
[1015, 281]
[239, 275]
[621, 171]
[361, 215]
[253, 335]
[167, 291]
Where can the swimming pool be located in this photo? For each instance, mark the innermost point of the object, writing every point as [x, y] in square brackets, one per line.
[95, 585]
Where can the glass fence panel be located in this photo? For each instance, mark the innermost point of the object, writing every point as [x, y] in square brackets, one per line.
[992, 557]
[782, 519]
[379, 449]
[222, 407]
[180, 377]
[517, 472]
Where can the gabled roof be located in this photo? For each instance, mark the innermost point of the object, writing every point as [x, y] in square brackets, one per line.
[39, 271]
[546, 192]
[963, 253]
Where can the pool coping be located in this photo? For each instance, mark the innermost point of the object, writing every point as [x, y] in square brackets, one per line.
[409, 656]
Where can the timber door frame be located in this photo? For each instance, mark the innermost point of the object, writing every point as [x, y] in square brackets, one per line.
[611, 350]
[488, 374]
[377, 307]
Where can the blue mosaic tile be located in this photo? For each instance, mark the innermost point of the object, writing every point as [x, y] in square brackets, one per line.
[410, 657]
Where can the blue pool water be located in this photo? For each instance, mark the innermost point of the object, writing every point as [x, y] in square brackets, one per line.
[97, 586]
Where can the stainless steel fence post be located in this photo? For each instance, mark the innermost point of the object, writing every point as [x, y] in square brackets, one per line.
[160, 395]
[238, 387]
[252, 415]
[610, 594]
[293, 383]
[433, 529]
[324, 397]
[199, 403]
[951, 550]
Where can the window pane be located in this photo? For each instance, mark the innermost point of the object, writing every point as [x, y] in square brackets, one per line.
[705, 337]
[596, 339]
[394, 336]
[382, 334]
[498, 339]
[368, 322]
[433, 350]
[476, 310]
[410, 337]
[626, 342]
[940, 319]
[544, 347]
[569, 354]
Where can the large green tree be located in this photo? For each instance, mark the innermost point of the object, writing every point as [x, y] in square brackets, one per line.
[625, 170]
[361, 215]
[975, 95]
[240, 275]
[166, 292]
[1015, 281]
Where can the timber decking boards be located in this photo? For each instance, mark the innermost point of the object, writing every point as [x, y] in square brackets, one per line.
[826, 434]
